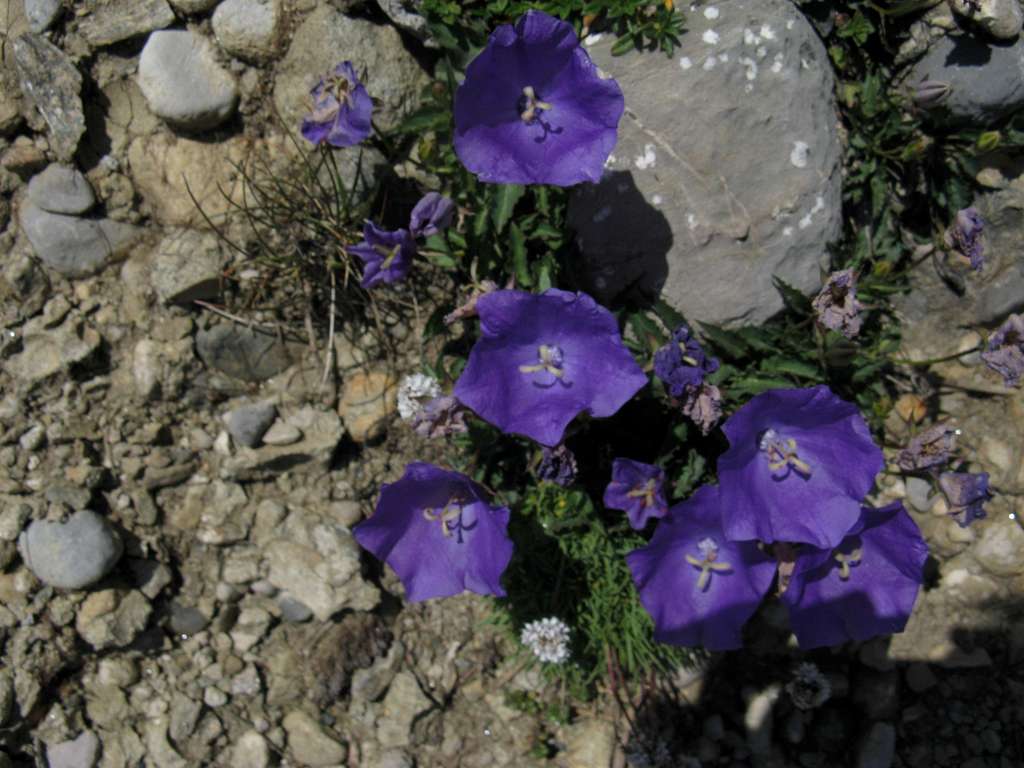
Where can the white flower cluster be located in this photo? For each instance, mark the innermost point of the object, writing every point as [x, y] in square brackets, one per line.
[414, 390]
[809, 688]
[548, 639]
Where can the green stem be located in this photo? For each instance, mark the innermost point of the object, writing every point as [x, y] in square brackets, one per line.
[934, 360]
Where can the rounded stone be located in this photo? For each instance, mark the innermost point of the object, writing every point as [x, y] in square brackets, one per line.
[727, 171]
[73, 554]
[1000, 549]
[194, 6]
[61, 189]
[249, 29]
[183, 83]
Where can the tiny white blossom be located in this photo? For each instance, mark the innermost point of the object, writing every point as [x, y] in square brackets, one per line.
[414, 390]
[548, 639]
[809, 688]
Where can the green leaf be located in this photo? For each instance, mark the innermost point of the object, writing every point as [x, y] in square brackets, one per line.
[544, 275]
[754, 385]
[427, 119]
[668, 314]
[646, 330]
[759, 339]
[797, 368]
[480, 223]
[858, 28]
[519, 266]
[727, 342]
[504, 202]
[623, 44]
[791, 297]
[690, 475]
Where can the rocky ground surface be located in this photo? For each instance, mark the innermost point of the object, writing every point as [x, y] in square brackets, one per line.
[178, 581]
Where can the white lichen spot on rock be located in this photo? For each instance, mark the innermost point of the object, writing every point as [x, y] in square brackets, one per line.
[711, 12]
[790, 23]
[685, 62]
[777, 64]
[657, 200]
[602, 214]
[805, 221]
[647, 159]
[787, 231]
[710, 62]
[751, 66]
[767, 32]
[750, 37]
[691, 221]
[710, 37]
[723, 57]
[762, 52]
[798, 156]
[592, 39]
[610, 161]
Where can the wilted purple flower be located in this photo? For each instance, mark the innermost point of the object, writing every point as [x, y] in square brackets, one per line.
[1004, 352]
[543, 359]
[836, 306]
[557, 465]
[697, 585]
[931, 448]
[637, 489]
[441, 417]
[341, 109]
[437, 531]
[432, 214]
[533, 108]
[965, 236]
[864, 587]
[682, 363]
[386, 256]
[703, 406]
[800, 462]
[967, 493]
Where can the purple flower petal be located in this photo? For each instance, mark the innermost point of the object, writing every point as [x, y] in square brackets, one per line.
[533, 108]
[386, 256]
[931, 448]
[637, 489]
[967, 493]
[965, 236]
[699, 587]
[800, 461]
[557, 465]
[703, 406]
[541, 360]
[865, 587]
[682, 364]
[1004, 352]
[432, 214]
[836, 306]
[341, 109]
[437, 531]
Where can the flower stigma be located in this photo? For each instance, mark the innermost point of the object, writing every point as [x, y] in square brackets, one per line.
[450, 517]
[645, 492]
[845, 561]
[530, 105]
[782, 453]
[549, 359]
[389, 254]
[708, 548]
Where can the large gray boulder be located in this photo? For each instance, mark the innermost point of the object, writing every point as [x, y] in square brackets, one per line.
[986, 79]
[727, 169]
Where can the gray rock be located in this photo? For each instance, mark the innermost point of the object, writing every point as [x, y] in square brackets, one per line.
[183, 83]
[61, 189]
[309, 744]
[878, 748]
[404, 15]
[248, 423]
[321, 433]
[41, 14]
[1000, 18]
[403, 703]
[987, 80]
[394, 78]
[112, 618]
[726, 172]
[250, 751]
[249, 29]
[282, 433]
[243, 353]
[122, 19]
[919, 493]
[73, 246]
[194, 6]
[187, 266]
[52, 84]
[81, 752]
[294, 610]
[1000, 549]
[48, 352]
[71, 555]
[187, 620]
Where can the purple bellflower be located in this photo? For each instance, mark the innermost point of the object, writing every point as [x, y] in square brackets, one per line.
[1004, 352]
[932, 448]
[432, 214]
[341, 109]
[965, 236]
[533, 108]
[443, 416]
[557, 465]
[864, 587]
[682, 364]
[437, 531]
[386, 256]
[543, 359]
[967, 493]
[699, 587]
[703, 406]
[800, 461]
[637, 489]
[836, 306]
